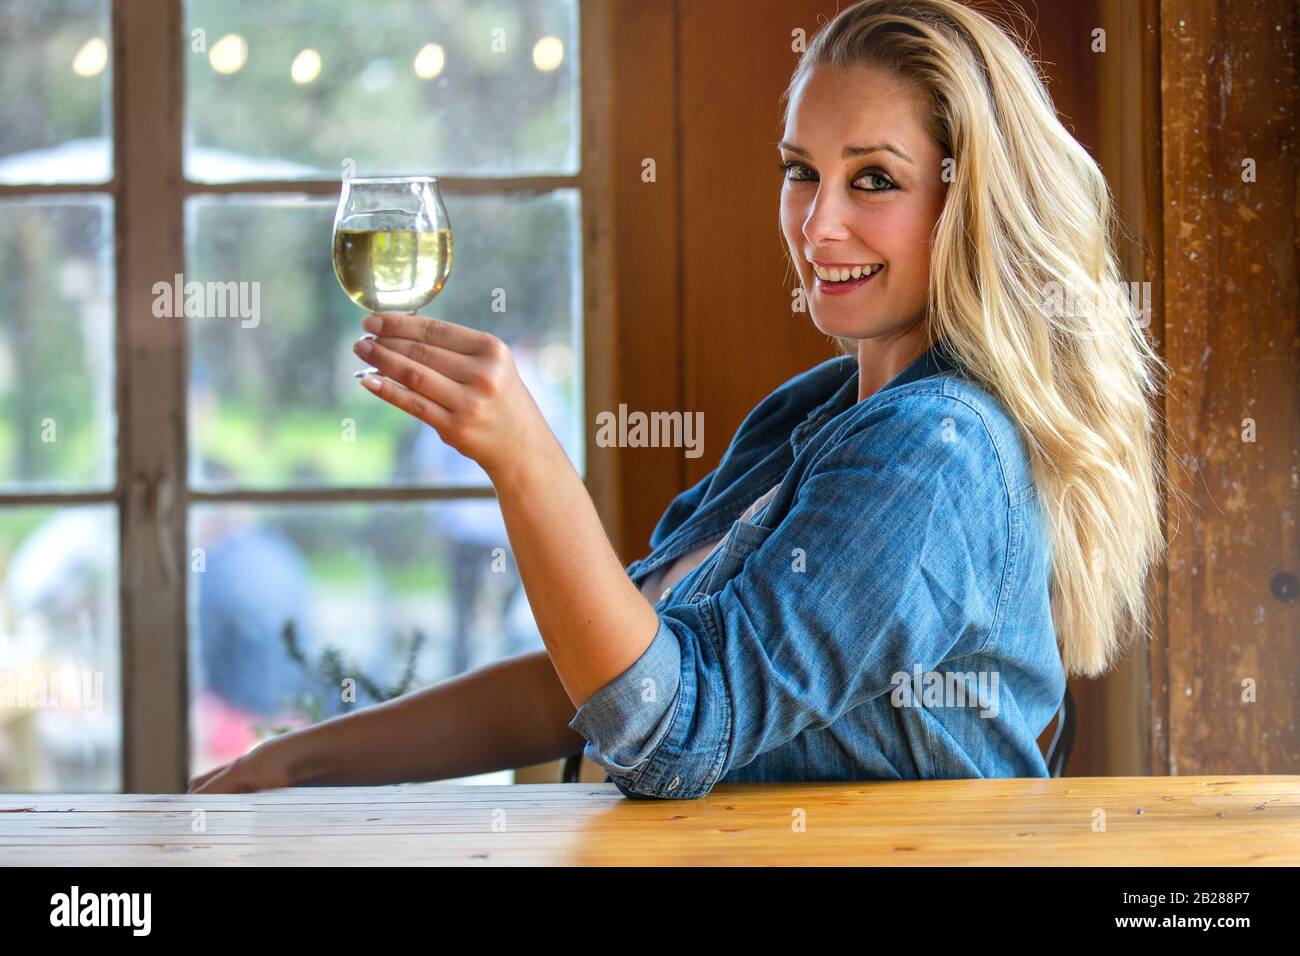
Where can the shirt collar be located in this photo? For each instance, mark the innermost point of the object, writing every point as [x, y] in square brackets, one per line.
[934, 361]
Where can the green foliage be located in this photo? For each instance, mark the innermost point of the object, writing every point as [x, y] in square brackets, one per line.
[329, 671]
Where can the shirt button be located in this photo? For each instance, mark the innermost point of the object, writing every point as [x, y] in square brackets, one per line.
[676, 781]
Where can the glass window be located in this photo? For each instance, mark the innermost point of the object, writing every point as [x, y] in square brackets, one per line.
[57, 422]
[60, 673]
[306, 89]
[55, 119]
[60, 700]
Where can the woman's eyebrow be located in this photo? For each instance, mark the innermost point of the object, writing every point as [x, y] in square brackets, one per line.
[851, 151]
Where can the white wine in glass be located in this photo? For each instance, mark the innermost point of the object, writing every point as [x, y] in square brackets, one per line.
[392, 243]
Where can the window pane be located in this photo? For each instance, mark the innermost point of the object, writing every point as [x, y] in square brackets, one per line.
[55, 124]
[60, 698]
[355, 580]
[273, 403]
[57, 417]
[280, 89]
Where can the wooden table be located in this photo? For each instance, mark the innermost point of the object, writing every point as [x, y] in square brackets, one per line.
[1132, 821]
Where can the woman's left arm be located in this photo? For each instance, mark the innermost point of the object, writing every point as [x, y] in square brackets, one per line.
[463, 383]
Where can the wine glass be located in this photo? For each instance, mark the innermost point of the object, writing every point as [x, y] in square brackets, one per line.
[392, 242]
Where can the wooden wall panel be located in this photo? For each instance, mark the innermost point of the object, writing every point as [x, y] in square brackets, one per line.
[1228, 79]
[645, 116]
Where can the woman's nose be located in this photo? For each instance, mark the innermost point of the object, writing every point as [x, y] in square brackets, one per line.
[827, 218]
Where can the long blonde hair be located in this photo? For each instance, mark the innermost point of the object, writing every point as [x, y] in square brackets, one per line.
[1026, 229]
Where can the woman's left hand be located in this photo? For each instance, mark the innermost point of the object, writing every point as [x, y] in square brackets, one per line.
[459, 380]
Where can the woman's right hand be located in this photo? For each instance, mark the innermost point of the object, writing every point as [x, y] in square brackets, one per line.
[262, 768]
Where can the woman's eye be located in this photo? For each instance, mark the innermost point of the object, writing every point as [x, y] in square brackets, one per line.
[790, 169]
[880, 178]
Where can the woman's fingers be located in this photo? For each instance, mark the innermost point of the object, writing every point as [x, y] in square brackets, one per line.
[422, 379]
[209, 780]
[419, 328]
[457, 366]
[203, 778]
[461, 381]
[411, 402]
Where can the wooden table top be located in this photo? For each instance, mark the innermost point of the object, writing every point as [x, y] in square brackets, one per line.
[1072, 821]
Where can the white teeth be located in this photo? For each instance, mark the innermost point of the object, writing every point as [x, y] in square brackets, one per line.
[844, 273]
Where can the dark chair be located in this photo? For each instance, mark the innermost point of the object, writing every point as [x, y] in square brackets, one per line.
[572, 766]
[1058, 751]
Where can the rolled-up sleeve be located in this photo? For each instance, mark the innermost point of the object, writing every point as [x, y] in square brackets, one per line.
[891, 557]
[626, 720]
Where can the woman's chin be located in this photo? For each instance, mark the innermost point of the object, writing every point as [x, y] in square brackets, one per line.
[858, 328]
[839, 329]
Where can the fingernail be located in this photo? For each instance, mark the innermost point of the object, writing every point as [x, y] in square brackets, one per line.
[371, 382]
[363, 346]
[372, 323]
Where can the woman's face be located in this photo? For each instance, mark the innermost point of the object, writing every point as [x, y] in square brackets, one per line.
[863, 187]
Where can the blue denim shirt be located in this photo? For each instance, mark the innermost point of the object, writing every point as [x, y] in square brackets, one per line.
[886, 615]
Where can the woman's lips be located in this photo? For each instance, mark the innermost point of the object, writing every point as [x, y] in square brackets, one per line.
[846, 287]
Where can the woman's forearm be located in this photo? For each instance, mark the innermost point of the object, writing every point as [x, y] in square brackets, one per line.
[512, 713]
[465, 384]
[594, 621]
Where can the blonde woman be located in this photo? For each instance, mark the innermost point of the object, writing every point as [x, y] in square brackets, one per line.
[905, 550]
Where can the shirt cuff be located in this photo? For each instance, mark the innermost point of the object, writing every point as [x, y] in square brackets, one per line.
[626, 720]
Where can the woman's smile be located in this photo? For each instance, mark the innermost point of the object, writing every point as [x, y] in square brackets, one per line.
[842, 278]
